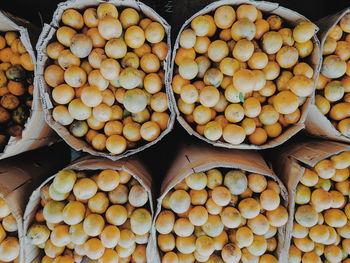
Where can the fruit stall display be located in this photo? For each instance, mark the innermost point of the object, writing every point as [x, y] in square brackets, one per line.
[216, 210]
[317, 175]
[105, 72]
[243, 77]
[333, 86]
[99, 214]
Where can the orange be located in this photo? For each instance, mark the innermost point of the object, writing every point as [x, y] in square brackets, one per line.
[272, 42]
[258, 137]
[231, 253]
[243, 50]
[72, 18]
[149, 63]
[26, 62]
[54, 75]
[333, 67]
[287, 57]
[60, 236]
[200, 25]
[94, 248]
[243, 28]
[109, 27]
[287, 36]
[187, 38]
[306, 216]
[304, 49]
[302, 86]
[304, 31]
[202, 44]
[129, 17]
[224, 16]
[75, 77]
[115, 48]
[159, 102]
[262, 26]
[150, 131]
[247, 12]
[277, 217]
[244, 80]
[154, 32]
[9, 249]
[218, 50]
[81, 45]
[229, 66]
[116, 144]
[258, 60]
[286, 102]
[134, 36]
[212, 25]
[184, 54]
[234, 134]
[160, 50]
[64, 35]
[213, 131]
[73, 213]
[110, 69]
[90, 17]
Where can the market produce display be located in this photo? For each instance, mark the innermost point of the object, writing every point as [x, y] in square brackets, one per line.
[221, 215]
[242, 76]
[107, 77]
[9, 244]
[16, 86]
[102, 215]
[321, 228]
[333, 87]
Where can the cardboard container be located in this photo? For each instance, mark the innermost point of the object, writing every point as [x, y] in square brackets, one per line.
[45, 38]
[290, 166]
[317, 123]
[292, 18]
[18, 176]
[131, 165]
[36, 132]
[201, 158]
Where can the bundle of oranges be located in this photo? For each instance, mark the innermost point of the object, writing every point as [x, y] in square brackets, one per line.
[333, 87]
[221, 216]
[9, 244]
[321, 229]
[242, 76]
[16, 86]
[107, 77]
[104, 217]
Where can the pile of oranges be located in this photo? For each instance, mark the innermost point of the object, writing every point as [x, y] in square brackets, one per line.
[107, 77]
[9, 244]
[321, 229]
[216, 217]
[241, 76]
[103, 216]
[333, 87]
[16, 86]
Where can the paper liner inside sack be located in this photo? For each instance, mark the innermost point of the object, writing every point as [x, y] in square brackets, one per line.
[201, 158]
[290, 166]
[45, 38]
[292, 18]
[36, 132]
[130, 165]
[316, 123]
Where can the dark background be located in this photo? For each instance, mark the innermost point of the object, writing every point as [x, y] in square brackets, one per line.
[158, 158]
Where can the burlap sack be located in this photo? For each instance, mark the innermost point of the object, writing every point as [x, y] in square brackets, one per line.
[200, 158]
[317, 123]
[17, 178]
[130, 165]
[290, 166]
[36, 132]
[48, 34]
[292, 18]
